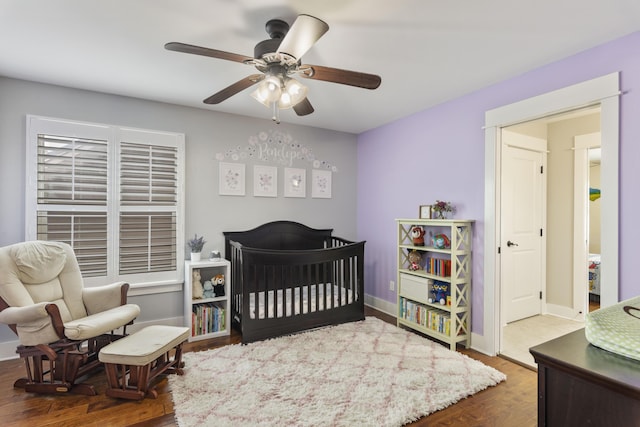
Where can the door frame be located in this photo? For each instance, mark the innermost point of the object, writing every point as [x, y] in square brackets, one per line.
[603, 91]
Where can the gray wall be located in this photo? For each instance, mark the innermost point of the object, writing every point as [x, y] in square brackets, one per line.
[207, 134]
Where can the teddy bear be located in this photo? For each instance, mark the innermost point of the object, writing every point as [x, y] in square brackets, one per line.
[414, 260]
[218, 285]
[208, 290]
[417, 235]
[196, 285]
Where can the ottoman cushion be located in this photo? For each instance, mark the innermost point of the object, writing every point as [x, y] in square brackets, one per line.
[144, 346]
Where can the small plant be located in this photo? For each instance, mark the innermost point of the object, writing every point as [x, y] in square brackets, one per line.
[440, 208]
[196, 244]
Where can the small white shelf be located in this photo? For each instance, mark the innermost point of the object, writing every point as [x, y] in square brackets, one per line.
[200, 327]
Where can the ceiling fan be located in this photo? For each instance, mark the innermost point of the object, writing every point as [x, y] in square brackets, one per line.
[278, 59]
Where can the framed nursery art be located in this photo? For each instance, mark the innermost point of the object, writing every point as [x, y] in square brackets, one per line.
[265, 181]
[231, 179]
[425, 212]
[295, 182]
[321, 184]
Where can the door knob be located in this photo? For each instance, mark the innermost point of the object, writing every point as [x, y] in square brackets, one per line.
[510, 243]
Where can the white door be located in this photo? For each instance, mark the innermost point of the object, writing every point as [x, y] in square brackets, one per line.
[522, 208]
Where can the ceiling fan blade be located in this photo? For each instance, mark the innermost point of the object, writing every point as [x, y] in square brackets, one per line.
[304, 33]
[205, 51]
[231, 90]
[303, 107]
[336, 75]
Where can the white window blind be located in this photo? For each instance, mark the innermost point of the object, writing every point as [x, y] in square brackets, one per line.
[85, 232]
[148, 175]
[72, 171]
[72, 174]
[112, 193]
[148, 178]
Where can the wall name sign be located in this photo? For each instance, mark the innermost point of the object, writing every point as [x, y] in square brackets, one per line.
[275, 147]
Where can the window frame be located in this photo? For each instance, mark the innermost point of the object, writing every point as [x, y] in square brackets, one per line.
[141, 283]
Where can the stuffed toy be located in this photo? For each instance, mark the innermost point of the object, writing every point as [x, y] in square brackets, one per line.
[441, 241]
[218, 285]
[414, 260]
[440, 292]
[208, 290]
[196, 285]
[417, 235]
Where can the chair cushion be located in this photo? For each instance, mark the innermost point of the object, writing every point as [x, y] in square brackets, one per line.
[38, 331]
[101, 323]
[38, 262]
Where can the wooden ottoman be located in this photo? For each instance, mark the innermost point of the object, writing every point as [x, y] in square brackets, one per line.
[135, 361]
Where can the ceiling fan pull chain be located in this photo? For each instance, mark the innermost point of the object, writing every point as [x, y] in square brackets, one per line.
[276, 113]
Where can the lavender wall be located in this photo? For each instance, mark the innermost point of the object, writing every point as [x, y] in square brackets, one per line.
[439, 154]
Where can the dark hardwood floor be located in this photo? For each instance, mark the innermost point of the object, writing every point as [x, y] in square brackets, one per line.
[511, 403]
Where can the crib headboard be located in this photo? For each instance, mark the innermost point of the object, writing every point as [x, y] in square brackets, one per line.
[279, 235]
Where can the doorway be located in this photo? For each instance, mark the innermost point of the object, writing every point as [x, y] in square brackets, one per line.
[538, 282]
[602, 91]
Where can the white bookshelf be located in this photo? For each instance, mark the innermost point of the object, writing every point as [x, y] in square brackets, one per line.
[449, 323]
[203, 325]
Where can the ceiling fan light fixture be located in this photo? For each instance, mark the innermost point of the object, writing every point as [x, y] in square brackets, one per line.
[269, 91]
[293, 93]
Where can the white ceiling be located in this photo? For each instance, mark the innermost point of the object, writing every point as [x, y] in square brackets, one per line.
[426, 51]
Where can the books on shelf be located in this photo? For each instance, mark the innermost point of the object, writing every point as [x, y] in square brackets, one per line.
[427, 317]
[438, 267]
[207, 318]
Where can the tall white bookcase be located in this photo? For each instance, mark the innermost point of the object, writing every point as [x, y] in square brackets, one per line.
[450, 322]
[207, 317]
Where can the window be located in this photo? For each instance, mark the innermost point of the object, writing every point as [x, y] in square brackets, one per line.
[113, 193]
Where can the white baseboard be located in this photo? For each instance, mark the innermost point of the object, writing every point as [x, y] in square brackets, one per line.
[8, 348]
[479, 344]
[380, 305]
[170, 321]
[564, 312]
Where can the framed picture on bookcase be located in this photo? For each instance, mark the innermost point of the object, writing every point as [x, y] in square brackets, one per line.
[425, 212]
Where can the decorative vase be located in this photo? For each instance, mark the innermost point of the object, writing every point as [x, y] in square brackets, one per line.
[195, 256]
[441, 215]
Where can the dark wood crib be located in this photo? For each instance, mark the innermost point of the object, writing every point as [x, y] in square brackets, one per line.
[287, 277]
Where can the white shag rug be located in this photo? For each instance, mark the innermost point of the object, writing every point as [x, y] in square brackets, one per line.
[356, 374]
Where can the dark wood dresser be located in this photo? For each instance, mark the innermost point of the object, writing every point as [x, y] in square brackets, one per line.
[582, 385]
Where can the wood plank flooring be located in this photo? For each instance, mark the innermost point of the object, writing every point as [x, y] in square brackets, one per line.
[511, 403]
